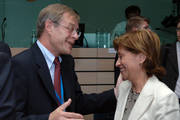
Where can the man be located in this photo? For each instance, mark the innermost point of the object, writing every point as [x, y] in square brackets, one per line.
[133, 24]
[5, 48]
[7, 101]
[170, 59]
[36, 74]
[120, 28]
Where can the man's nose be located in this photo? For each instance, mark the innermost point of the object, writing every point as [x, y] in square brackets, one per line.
[76, 36]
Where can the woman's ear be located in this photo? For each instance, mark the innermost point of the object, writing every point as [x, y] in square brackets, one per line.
[141, 57]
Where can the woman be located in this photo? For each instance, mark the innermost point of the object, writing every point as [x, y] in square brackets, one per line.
[141, 95]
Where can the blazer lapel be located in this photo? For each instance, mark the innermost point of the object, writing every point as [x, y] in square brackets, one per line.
[124, 90]
[140, 107]
[144, 100]
[43, 71]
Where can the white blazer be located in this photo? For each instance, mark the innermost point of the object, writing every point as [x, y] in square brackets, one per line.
[155, 102]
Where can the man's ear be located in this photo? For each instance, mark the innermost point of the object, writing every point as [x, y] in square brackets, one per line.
[142, 57]
[48, 25]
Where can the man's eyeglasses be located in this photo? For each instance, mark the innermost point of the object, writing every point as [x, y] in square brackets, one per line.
[71, 29]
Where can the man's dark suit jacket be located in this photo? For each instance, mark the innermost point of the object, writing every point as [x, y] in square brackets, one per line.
[5, 48]
[7, 101]
[170, 63]
[35, 93]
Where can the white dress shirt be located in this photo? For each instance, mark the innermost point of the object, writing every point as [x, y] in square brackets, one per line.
[49, 57]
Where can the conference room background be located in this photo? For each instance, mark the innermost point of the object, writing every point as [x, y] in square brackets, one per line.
[18, 17]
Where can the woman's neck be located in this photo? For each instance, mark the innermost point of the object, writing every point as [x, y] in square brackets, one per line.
[139, 82]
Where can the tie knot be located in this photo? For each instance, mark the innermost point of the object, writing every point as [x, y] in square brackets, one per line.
[56, 61]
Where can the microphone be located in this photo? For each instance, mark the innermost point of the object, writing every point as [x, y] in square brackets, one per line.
[4, 20]
[3, 28]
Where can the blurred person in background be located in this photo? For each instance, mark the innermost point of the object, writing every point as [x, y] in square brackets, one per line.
[7, 98]
[170, 59]
[120, 28]
[5, 48]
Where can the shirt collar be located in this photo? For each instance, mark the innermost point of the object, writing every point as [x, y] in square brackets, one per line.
[49, 57]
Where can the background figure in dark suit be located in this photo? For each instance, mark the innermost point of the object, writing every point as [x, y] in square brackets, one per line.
[5, 48]
[37, 99]
[133, 24]
[170, 59]
[7, 100]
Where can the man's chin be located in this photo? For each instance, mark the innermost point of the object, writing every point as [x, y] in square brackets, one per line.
[69, 51]
[66, 52]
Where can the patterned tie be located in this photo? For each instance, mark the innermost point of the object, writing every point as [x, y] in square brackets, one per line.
[57, 83]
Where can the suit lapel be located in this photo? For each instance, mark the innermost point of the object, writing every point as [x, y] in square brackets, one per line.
[67, 70]
[67, 75]
[66, 83]
[43, 71]
[144, 100]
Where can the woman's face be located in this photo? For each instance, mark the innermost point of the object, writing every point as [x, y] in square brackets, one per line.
[129, 63]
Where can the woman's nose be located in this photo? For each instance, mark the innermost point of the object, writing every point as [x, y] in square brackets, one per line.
[118, 63]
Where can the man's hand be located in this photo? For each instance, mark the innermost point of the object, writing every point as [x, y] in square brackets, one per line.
[60, 114]
[116, 89]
